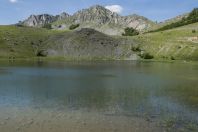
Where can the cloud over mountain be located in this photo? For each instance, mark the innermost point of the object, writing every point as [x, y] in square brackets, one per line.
[115, 8]
[13, 1]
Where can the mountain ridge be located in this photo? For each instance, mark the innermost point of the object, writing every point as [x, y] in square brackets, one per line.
[96, 17]
[42, 19]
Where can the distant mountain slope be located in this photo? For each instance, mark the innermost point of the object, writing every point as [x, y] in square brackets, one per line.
[175, 19]
[96, 17]
[169, 21]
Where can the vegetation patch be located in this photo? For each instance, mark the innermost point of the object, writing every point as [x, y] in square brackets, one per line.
[193, 31]
[172, 58]
[146, 56]
[130, 32]
[192, 18]
[74, 26]
[42, 53]
[22, 42]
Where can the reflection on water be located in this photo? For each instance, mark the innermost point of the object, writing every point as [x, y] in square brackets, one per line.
[152, 89]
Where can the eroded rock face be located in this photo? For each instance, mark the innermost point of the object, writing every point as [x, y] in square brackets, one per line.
[97, 14]
[62, 16]
[39, 20]
[138, 22]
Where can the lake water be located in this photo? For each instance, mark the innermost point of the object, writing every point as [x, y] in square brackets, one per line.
[163, 94]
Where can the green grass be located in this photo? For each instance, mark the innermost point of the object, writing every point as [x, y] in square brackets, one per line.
[172, 43]
[21, 42]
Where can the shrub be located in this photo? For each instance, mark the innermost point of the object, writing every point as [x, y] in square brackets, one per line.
[74, 26]
[42, 53]
[146, 56]
[172, 58]
[130, 32]
[193, 31]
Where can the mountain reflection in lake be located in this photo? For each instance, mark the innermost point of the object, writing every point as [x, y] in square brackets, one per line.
[158, 95]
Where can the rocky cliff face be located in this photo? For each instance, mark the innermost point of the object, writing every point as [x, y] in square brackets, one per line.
[138, 22]
[40, 20]
[96, 14]
[62, 16]
[96, 17]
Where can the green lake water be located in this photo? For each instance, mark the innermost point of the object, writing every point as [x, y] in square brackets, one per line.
[162, 92]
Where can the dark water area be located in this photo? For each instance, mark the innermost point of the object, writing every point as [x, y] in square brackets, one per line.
[164, 92]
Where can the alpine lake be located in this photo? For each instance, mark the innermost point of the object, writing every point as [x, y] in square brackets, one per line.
[98, 96]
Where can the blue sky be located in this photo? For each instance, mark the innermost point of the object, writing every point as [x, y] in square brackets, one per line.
[11, 11]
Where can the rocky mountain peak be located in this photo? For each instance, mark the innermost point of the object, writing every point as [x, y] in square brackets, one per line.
[95, 14]
[99, 8]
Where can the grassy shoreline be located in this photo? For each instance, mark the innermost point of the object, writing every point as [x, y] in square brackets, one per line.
[63, 59]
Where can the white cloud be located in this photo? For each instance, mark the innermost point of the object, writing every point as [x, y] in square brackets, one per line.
[13, 1]
[115, 8]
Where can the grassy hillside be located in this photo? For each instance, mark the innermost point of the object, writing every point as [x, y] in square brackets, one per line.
[21, 42]
[169, 21]
[191, 18]
[179, 43]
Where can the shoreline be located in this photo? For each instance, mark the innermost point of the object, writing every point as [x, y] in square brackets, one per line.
[47, 120]
[62, 59]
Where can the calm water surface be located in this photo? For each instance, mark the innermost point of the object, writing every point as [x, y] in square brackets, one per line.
[158, 91]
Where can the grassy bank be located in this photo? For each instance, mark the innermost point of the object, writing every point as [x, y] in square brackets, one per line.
[21, 42]
[175, 44]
